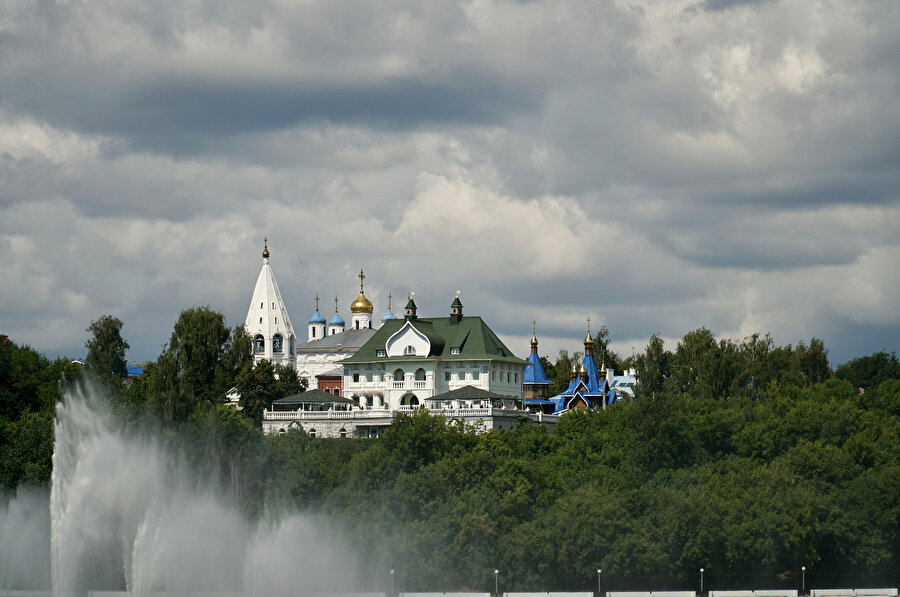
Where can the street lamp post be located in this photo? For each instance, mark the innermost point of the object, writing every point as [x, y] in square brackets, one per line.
[392, 582]
[599, 584]
[701, 581]
[803, 586]
[496, 582]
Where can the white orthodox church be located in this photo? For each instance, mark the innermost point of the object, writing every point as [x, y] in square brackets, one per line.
[267, 320]
[362, 375]
[328, 341]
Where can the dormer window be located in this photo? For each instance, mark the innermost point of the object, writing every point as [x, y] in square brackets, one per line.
[454, 350]
[409, 351]
[501, 352]
[380, 352]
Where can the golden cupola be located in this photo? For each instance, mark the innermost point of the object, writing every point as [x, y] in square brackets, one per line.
[362, 304]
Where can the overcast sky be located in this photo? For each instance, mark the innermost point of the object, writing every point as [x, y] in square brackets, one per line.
[655, 165]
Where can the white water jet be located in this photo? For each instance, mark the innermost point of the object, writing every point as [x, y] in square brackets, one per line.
[25, 541]
[125, 515]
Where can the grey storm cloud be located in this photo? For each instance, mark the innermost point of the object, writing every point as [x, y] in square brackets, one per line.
[658, 165]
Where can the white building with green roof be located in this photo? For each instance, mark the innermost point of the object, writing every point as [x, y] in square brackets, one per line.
[454, 366]
[408, 361]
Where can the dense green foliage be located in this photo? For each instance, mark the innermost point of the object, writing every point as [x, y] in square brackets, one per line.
[29, 390]
[743, 458]
[106, 349]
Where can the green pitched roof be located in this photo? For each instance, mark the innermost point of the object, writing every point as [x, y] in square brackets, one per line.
[471, 335]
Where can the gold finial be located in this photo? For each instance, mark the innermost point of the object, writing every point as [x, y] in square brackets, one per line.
[534, 333]
[266, 248]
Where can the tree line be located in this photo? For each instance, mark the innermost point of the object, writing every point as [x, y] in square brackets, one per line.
[744, 458]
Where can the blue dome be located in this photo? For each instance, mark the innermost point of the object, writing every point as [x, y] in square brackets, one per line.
[388, 316]
[317, 318]
[336, 320]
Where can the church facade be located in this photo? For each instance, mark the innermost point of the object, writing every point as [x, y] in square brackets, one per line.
[364, 375]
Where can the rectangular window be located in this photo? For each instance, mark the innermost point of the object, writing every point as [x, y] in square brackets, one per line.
[446, 376]
[475, 375]
[356, 377]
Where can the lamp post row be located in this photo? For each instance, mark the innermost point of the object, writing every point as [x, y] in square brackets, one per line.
[802, 580]
[600, 581]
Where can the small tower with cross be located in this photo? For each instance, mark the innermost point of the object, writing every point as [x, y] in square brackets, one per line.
[361, 309]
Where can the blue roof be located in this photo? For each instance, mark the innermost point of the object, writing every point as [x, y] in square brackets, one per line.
[538, 401]
[388, 316]
[586, 388]
[534, 371]
[317, 318]
[134, 370]
[336, 320]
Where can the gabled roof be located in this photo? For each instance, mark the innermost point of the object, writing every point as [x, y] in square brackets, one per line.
[470, 393]
[348, 340]
[471, 335]
[313, 397]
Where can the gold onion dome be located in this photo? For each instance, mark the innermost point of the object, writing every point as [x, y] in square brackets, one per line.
[361, 304]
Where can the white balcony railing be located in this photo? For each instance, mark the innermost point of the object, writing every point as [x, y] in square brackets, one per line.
[319, 415]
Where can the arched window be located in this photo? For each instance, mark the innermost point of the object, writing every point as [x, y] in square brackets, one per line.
[409, 400]
[356, 324]
[398, 375]
[409, 351]
[259, 344]
[277, 343]
[420, 374]
[343, 432]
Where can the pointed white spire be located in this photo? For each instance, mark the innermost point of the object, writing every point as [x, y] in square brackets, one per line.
[268, 323]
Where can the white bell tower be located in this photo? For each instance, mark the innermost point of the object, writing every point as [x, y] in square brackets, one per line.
[267, 321]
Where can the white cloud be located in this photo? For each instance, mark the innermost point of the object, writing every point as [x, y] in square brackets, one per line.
[658, 165]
